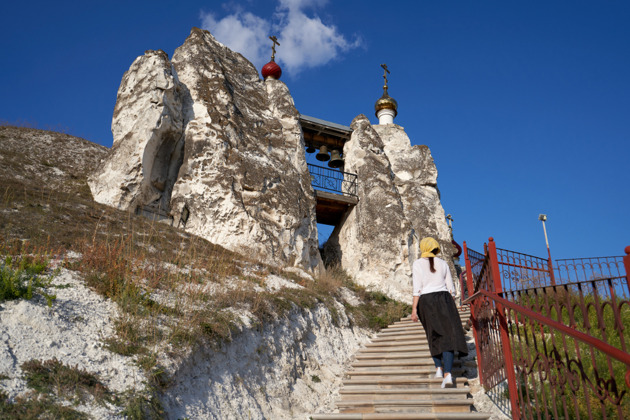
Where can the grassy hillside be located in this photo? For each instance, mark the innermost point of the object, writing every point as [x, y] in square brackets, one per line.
[174, 290]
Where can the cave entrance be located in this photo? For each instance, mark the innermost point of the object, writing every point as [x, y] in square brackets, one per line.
[162, 167]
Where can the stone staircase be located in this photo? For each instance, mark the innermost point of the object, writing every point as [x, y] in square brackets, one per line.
[393, 378]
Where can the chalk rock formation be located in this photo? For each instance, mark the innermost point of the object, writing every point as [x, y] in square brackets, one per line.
[282, 370]
[204, 141]
[148, 132]
[398, 205]
[244, 179]
[415, 178]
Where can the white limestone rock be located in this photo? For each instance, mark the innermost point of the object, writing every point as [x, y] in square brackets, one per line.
[415, 178]
[282, 371]
[399, 204]
[374, 241]
[148, 128]
[244, 180]
[209, 146]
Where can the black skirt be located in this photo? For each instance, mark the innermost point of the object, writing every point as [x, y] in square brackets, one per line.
[442, 324]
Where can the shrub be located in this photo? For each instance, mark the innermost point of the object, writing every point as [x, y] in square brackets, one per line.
[21, 278]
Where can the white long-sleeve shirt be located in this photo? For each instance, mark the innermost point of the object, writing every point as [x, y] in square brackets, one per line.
[424, 281]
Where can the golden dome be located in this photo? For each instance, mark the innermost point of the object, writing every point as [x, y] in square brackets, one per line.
[386, 102]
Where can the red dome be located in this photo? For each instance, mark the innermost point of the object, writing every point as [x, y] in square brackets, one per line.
[271, 69]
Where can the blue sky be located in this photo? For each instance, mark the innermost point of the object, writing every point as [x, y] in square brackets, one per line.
[524, 105]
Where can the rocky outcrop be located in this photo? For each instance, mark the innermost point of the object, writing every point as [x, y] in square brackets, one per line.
[148, 137]
[244, 181]
[375, 239]
[206, 144]
[415, 179]
[285, 370]
[399, 204]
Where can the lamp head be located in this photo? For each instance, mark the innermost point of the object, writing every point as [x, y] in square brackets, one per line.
[542, 217]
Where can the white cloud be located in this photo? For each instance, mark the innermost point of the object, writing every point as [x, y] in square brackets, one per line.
[305, 42]
[300, 4]
[242, 32]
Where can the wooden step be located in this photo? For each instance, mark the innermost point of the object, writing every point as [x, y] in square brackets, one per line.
[394, 334]
[401, 381]
[398, 349]
[396, 338]
[404, 406]
[401, 416]
[393, 378]
[415, 326]
[396, 343]
[375, 373]
[393, 355]
[396, 394]
[408, 321]
[407, 362]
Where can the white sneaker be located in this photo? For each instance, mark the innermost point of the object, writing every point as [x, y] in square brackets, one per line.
[448, 381]
[438, 373]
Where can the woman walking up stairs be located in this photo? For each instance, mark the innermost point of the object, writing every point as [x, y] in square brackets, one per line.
[407, 372]
[394, 378]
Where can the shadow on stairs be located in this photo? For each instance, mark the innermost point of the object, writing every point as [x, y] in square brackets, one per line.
[392, 378]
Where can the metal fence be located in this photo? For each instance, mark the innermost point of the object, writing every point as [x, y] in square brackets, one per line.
[560, 340]
[332, 180]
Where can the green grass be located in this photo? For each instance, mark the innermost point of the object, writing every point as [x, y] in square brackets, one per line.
[70, 383]
[141, 406]
[36, 407]
[53, 381]
[572, 370]
[22, 278]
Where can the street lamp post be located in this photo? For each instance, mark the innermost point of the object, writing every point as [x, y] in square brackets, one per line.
[543, 219]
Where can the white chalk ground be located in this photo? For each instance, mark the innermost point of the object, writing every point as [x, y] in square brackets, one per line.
[72, 331]
[284, 370]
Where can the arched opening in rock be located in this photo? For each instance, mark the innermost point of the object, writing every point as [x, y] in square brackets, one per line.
[162, 170]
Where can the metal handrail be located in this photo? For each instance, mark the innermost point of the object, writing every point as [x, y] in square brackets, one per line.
[585, 338]
[498, 314]
[340, 182]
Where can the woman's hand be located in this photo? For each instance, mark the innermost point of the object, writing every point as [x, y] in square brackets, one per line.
[414, 309]
[414, 316]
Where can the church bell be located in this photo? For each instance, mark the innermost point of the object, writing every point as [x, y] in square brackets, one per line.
[322, 155]
[310, 148]
[335, 160]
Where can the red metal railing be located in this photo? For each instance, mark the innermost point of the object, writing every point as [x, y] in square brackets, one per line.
[565, 342]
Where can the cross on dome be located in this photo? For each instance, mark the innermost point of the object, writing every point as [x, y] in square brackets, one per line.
[273, 47]
[385, 74]
[271, 70]
[386, 107]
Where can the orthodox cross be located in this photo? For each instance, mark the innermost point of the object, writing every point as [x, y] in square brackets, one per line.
[273, 47]
[385, 74]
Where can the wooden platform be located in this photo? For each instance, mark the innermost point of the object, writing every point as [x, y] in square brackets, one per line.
[331, 207]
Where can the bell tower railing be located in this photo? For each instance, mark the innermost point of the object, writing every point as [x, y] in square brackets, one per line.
[339, 182]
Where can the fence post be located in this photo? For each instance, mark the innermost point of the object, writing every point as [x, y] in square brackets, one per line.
[471, 291]
[505, 338]
[551, 275]
[626, 263]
